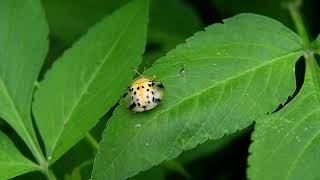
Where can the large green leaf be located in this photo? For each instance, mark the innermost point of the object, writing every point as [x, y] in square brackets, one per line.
[234, 73]
[12, 162]
[23, 37]
[286, 144]
[89, 78]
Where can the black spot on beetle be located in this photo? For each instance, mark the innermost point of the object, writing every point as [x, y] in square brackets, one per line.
[147, 89]
[160, 85]
[152, 92]
[149, 85]
[152, 99]
[148, 102]
[144, 107]
[152, 84]
[157, 100]
[132, 106]
[137, 99]
[134, 93]
[142, 86]
[139, 104]
[138, 88]
[132, 97]
[148, 97]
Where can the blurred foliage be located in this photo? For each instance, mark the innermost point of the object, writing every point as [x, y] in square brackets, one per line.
[271, 8]
[69, 19]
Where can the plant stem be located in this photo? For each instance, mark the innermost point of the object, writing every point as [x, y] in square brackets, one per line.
[48, 173]
[294, 9]
[309, 54]
[51, 175]
[92, 141]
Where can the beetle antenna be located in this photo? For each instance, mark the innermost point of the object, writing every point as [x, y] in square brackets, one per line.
[136, 71]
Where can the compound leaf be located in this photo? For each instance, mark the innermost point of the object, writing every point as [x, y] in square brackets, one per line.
[286, 143]
[90, 78]
[234, 73]
[24, 44]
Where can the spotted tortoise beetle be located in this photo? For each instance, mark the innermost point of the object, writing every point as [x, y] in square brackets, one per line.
[143, 94]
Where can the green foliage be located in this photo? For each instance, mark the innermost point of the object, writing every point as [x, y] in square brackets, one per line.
[164, 33]
[12, 162]
[286, 143]
[235, 73]
[316, 45]
[270, 8]
[21, 57]
[80, 14]
[231, 78]
[66, 108]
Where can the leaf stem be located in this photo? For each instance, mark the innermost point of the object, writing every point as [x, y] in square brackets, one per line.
[36, 150]
[294, 9]
[309, 54]
[92, 141]
[48, 173]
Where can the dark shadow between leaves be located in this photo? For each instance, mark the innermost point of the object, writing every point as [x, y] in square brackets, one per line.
[300, 69]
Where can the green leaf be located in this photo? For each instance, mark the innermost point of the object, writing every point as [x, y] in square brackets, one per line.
[234, 73]
[316, 45]
[210, 147]
[166, 33]
[75, 161]
[23, 37]
[286, 143]
[90, 78]
[183, 22]
[156, 173]
[76, 172]
[12, 162]
[69, 19]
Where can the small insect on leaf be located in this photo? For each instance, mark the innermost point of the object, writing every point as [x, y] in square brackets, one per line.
[144, 94]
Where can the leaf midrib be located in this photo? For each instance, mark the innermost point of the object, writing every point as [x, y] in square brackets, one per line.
[20, 164]
[17, 114]
[235, 44]
[83, 92]
[200, 92]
